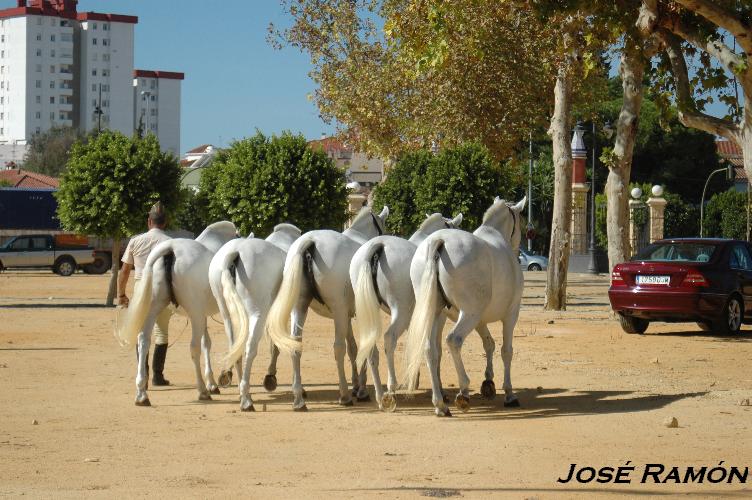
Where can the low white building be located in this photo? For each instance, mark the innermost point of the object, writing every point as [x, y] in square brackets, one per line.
[358, 167]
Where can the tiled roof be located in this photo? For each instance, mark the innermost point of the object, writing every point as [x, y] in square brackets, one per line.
[732, 153]
[187, 163]
[198, 150]
[24, 179]
[329, 144]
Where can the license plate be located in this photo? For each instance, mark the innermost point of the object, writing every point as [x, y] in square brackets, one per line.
[653, 280]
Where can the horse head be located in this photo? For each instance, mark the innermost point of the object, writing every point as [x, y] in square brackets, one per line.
[368, 224]
[217, 234]
[504, 217]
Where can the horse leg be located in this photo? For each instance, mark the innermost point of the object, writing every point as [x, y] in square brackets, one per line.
[432, 360]
[510, 399]
[198, 328]
[464, 326]
[206, 344]
[397, 326]
[360, 389]
[341, 331]
[438, 328]
[298, 318]
[270, 380]
[488, 388]
[144, 342]
[256, 326]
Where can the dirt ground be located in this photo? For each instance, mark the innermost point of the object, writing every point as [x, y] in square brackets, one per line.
[590, 395]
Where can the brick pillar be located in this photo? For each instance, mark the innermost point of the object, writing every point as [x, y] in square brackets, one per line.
[657, 218]
[580, 190]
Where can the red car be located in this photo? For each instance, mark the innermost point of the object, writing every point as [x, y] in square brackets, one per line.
[690, 279]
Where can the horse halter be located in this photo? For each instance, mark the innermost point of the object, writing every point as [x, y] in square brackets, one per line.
[376, 223]
[514, 221]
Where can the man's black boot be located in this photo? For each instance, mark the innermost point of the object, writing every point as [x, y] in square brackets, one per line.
[157, 365]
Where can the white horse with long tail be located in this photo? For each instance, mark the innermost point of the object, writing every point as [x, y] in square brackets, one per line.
[380, 275]
[176, 271]
[245, 276]
[477, 277]
[316, 273]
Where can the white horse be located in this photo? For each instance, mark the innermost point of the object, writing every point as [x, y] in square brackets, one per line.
[478, 278]
[380, 274]
[316, 273]
[176, 271]
[257, 269]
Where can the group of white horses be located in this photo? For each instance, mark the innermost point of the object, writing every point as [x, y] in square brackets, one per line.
[267, 286]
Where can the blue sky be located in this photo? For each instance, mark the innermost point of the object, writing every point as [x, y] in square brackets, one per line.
[235, 82]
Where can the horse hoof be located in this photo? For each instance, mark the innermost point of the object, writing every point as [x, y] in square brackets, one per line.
[389, 403]
[305, 393]
[247, 408]
[143, 402]
[225, 378]
[445, 398]
[348, 402]
[514, 403]
[364, 399]
[204, 396]
[214, 390]
[488, 389]
[270, 383]
[462, 402]
[300, 408]
[443, 413]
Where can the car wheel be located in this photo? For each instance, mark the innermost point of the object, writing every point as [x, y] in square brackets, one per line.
[101, 264]
[65, 267]
[534, 267]
[630, 324]
[733, 315]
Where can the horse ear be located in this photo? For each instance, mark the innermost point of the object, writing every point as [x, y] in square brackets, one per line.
[384, 213]
[457, 220]
[520, 205]
[251, 235]
[497, 199]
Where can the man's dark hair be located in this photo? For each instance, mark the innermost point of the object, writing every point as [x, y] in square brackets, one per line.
[157, 214]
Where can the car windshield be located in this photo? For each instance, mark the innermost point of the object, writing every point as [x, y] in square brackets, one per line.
[677, 252]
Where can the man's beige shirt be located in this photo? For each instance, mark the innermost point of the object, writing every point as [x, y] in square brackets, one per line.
[139, 247]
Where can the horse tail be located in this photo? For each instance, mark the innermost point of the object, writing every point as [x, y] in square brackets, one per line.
[367, 309]
[138, 308]
[277, 324]
[238, 319]
[421, 323]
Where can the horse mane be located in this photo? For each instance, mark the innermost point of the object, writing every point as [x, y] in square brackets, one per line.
[431, 218]
[287, 227]
[494, 209]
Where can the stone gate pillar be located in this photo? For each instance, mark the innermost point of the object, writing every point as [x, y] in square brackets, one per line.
[657, 217]
[355, 202]
[580, 190]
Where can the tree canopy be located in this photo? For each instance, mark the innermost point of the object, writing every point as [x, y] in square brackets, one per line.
[47, 152]
[261, 181]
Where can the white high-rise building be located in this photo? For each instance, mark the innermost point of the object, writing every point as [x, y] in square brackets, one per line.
[157, 106]
[59, 66]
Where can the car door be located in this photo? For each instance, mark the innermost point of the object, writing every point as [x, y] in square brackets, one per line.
[40, 251]
[16, 255]
[740, 264]
[523, 260]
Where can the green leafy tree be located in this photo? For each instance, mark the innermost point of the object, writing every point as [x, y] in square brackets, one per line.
[261, 181]
[109, 185]
[48, 151]
[463, 179]
[193, 211]
[726, 215]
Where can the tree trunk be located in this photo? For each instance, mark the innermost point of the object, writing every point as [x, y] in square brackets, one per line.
[115, 268]
[631, 71]
[560, 132]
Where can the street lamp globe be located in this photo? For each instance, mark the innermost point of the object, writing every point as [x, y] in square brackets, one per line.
[636, 193]
[657, 190]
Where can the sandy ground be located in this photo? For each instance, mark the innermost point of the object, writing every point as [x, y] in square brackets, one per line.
[590, 395]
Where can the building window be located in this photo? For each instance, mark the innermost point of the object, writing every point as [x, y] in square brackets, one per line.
[93, 41]
[52, 38]
[105, 72]
[52, 53]
[93, 26]
[52, 22]
[93, 87]
[2, 38]
[105, 57]
[39, 99]
[52, 99]
[39, 52]
[2, 131]
[39, 21]
[153, 112]
[94, 57]
[105, 41]
[38, 130]
[52, 115]
[94, 72]
[52, 68]
[2, 100]
[39, 37]
[39, 68]
[52, 84]
[38, 115]
[105, 27]
[39, 84]
[106, 87]
[94, 103]
[106, 103]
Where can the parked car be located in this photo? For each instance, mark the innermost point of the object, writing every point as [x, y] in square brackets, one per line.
[532, 262]
[691, 279]
[43, 250]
